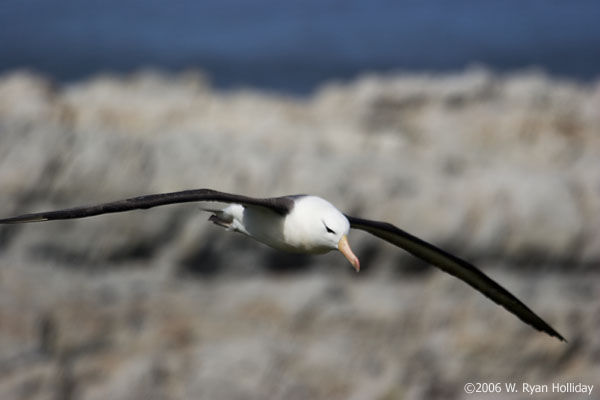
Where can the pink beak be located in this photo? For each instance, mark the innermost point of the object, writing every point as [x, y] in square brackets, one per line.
[344, 248]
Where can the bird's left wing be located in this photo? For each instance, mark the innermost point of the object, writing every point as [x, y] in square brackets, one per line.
[279, 205]
[454, 266]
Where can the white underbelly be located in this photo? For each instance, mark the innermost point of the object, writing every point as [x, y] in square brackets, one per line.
[267, 227]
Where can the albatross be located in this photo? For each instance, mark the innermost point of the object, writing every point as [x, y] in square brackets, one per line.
[306, 224]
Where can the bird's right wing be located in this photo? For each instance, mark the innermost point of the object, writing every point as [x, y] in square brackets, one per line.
[279, 205]
[456, 267]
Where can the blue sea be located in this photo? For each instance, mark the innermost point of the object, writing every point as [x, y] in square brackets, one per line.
[293, 46]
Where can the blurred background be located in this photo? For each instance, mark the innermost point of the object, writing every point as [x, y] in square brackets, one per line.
[474, 125]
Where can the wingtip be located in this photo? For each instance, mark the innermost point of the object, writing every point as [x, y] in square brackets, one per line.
[560, 337]
[552, 332]
[22, 220]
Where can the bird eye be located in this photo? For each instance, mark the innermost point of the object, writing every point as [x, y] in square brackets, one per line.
[329, 230]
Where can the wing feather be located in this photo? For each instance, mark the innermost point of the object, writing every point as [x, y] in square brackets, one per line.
[456, 267]
[280, 205]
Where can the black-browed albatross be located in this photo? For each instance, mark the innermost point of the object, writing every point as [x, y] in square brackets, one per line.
[307, 224]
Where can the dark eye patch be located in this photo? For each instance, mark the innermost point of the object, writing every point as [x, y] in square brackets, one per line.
[329, 230]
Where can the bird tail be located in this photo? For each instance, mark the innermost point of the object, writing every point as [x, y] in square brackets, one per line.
[229, 217]
[219, 218]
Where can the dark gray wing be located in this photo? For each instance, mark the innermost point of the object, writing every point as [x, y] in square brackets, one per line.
[454, 266]
[279, 205]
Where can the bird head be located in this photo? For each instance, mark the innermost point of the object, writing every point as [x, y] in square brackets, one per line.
[325, 227]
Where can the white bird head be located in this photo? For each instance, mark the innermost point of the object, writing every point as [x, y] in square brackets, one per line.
[316, 226]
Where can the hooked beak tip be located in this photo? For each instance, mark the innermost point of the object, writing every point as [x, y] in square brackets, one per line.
[356, 265]
[344, 248]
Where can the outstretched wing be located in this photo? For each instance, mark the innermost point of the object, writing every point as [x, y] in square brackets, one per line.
[454, 266]
[279, 205]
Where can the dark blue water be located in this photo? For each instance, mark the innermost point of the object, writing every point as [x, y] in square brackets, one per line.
[295, 45]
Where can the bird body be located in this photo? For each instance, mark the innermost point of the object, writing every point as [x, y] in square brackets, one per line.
[312, 226]
[307, 224]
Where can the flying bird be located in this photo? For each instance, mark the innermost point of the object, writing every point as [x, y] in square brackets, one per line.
[306, 224]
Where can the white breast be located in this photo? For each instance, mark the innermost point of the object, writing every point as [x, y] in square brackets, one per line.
[266, 227]
[302, 230]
